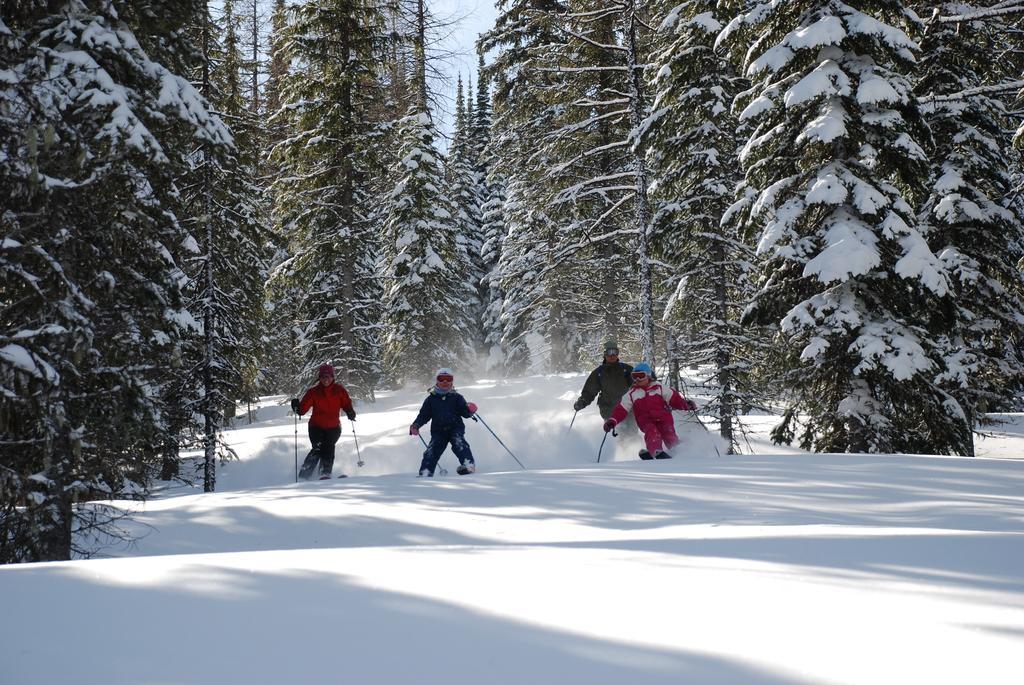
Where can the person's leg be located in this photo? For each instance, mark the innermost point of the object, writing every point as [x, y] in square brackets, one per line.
[327, 443]
[438, 443]
[667, 430]
[465, 455]
[652, 436]
[313, 458]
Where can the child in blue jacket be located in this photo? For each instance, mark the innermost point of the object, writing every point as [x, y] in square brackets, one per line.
[444, 409]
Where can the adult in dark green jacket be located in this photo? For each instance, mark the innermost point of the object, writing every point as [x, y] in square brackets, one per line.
[608, 382]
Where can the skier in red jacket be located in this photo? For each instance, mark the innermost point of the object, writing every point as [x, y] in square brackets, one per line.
[652, 405]
[327, 399]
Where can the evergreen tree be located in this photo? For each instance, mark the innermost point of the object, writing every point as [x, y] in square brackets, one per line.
[426, 293]
[970, 222]
[94, 132]
[429, 301]
[542, 307]
[692, 132]
[324, 193]
[835, 161]
[493, 233]
[467, 194]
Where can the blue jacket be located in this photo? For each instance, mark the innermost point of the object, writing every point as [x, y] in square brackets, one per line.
[444, 412]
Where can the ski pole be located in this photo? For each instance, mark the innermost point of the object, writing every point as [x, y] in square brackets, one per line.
[573, 421]
[696, 416]
[296, 447]
[614, 434]
[442, 470]
[477, 415]
[359, 457]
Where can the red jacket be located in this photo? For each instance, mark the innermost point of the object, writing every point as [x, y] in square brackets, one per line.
[653, 403]
[327, 404]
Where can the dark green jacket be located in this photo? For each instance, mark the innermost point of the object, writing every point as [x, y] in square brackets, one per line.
[608, 383]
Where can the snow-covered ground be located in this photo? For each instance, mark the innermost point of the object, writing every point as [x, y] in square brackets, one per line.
[774, 567]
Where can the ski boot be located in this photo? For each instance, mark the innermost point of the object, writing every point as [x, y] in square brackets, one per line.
[645, 455]
[466, 467]
[662, 455]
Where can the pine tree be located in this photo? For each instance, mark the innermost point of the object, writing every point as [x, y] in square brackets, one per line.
[970, 221]
[94, 132]
[426, 292]
[467, 197]
[835, 161]
[428, 302]
[543, 306]
[692, 132]
[324, 193]
[493, 233]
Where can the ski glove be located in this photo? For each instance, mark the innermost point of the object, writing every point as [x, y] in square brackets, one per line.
[414, 430]
[295, 406]
[609, 424]
[471, 407]
[689, 405]
[578, 405]
[351, 414]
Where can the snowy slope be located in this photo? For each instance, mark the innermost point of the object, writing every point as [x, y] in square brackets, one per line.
[771, 568]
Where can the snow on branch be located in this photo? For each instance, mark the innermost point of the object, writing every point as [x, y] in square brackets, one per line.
[999, 10]
[972, 92]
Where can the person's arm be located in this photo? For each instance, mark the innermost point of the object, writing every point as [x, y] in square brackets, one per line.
[463, 408]
[590, 390]
[677, 401]
[346, 404]
[620, 412]
[424, 416]
[306, 402]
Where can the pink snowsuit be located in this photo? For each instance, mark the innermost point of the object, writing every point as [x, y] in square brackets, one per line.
[652, 408]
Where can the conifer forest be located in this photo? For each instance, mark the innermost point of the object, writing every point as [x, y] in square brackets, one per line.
[815, 202]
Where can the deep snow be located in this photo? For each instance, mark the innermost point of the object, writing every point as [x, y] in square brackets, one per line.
[778, 567]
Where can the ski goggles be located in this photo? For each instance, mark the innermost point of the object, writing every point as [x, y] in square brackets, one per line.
[639, 375]
[445, 378]
[611, 352]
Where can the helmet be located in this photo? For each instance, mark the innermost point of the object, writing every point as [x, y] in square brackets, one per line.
[444, 371]
[645, 368]
[326, 371]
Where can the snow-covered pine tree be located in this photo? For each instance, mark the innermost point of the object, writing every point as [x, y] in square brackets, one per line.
[94, 132]
[323, 197]
[493, 232]
[598, 172]
[692, 134]
[492, 227]
[429, 302]
[970, 221]
[466, 193]
[426, 295]
[834, 158]
[222, 197]
[225, 199]
[542, 310]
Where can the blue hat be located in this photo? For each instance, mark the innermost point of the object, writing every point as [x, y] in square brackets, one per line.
[643, 367]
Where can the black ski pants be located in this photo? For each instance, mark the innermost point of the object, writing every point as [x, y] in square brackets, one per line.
[323, 441]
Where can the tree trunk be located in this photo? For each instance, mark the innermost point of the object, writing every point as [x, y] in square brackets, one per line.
[209, 389]
[723, 355]
[641, 202]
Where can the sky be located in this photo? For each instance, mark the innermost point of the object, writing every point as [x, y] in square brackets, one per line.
[774, 567]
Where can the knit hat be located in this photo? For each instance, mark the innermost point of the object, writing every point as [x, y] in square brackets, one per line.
[326, 371]
[611, 345]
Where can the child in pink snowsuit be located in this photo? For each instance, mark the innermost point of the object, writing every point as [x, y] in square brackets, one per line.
[652, 405]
